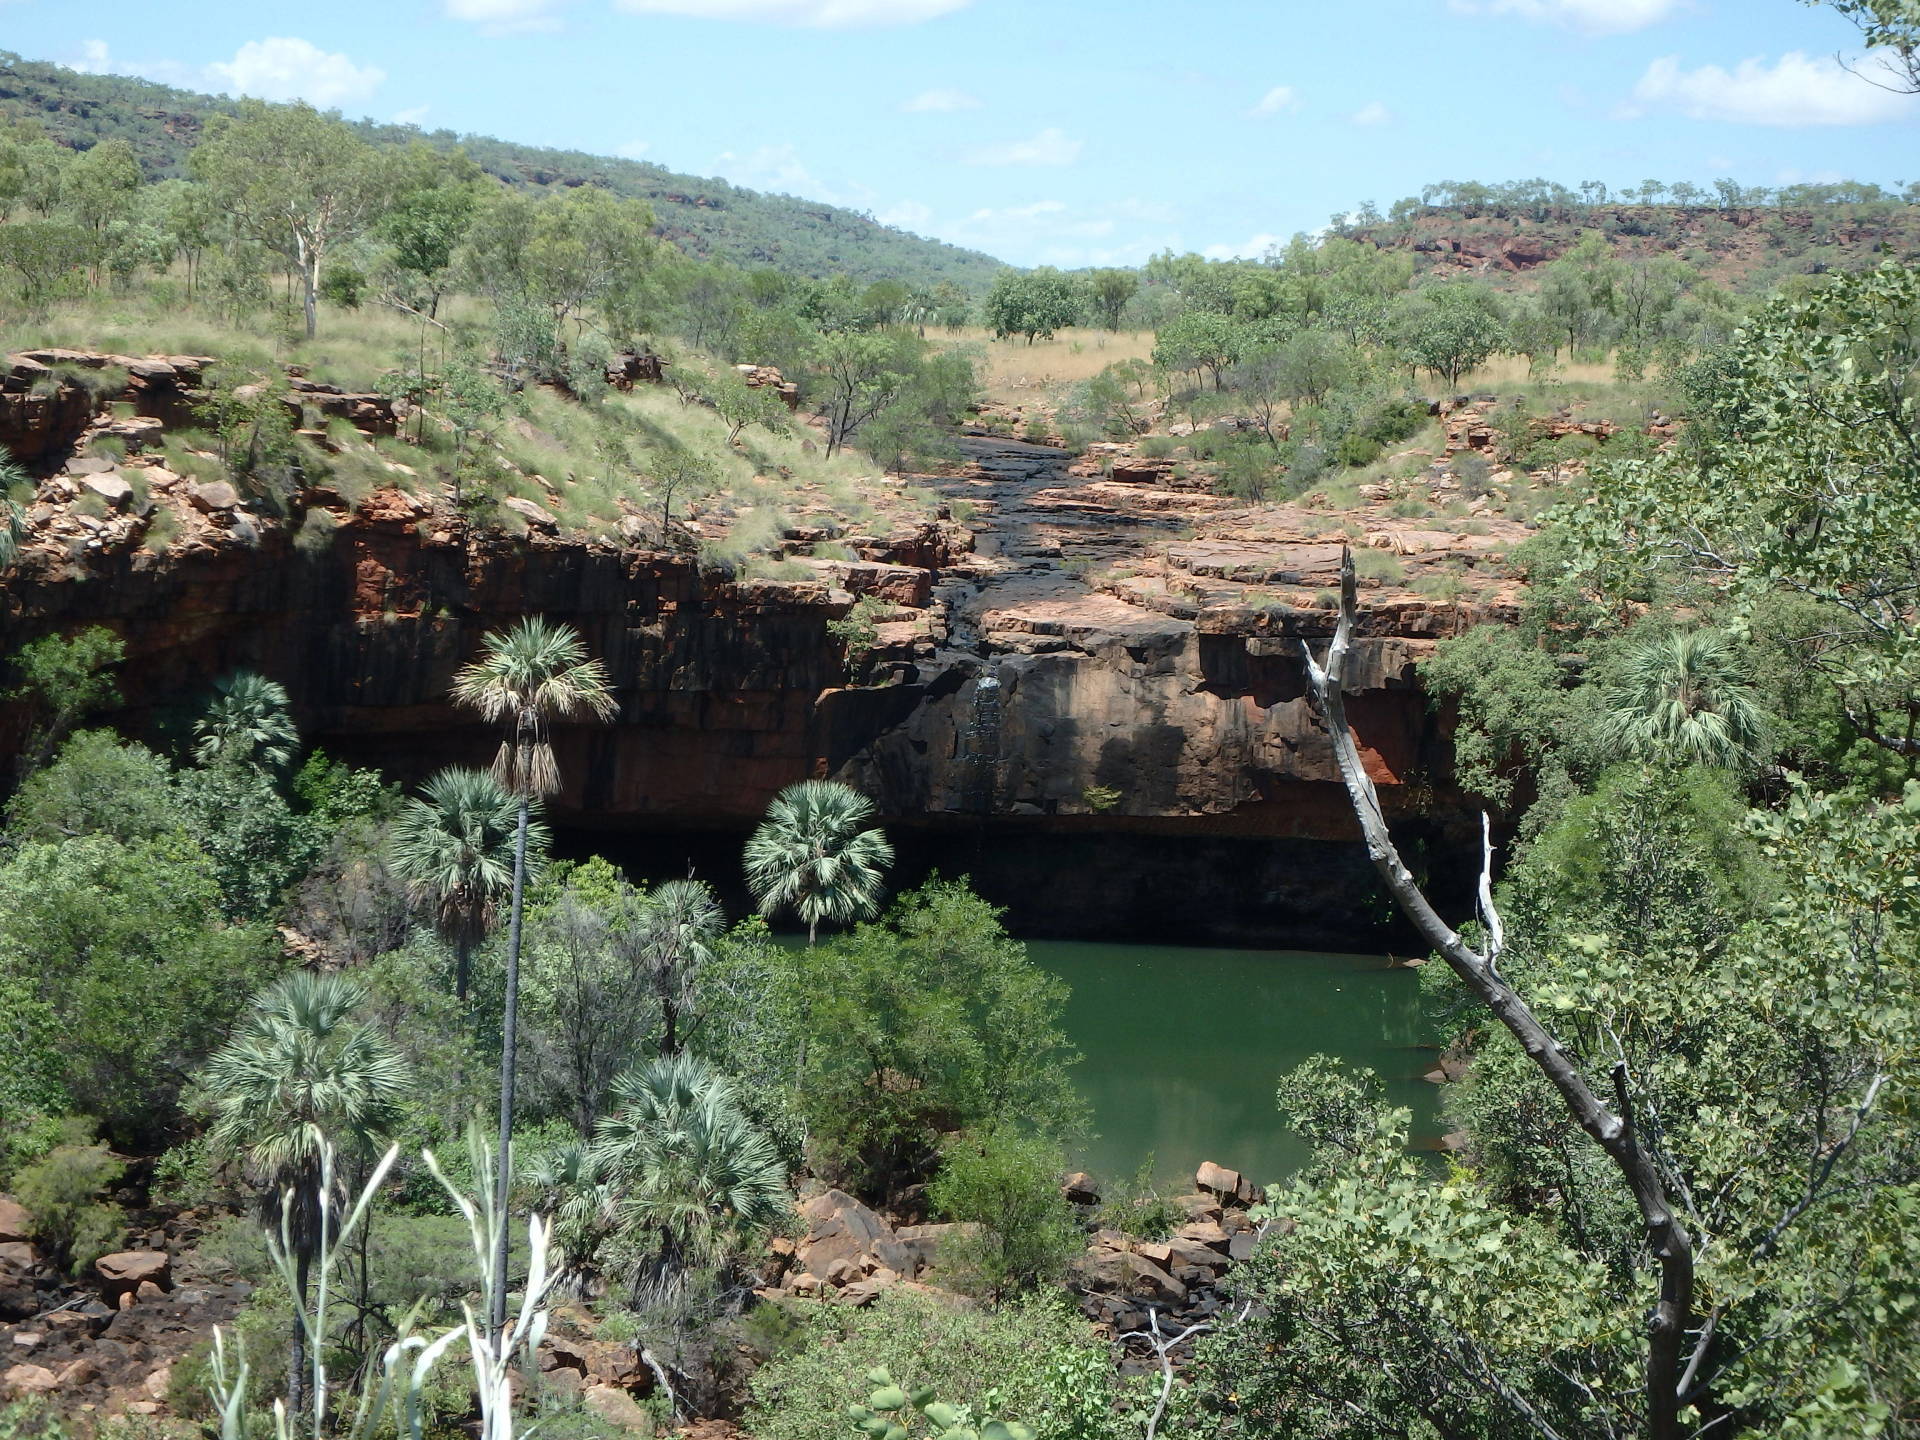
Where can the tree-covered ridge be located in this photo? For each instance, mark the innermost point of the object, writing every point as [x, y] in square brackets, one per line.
[1749, 236]
[703, 216]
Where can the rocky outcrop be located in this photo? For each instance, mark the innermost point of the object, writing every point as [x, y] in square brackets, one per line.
[1106, 692]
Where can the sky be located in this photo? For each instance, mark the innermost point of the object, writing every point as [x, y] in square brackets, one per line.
[1066, 132]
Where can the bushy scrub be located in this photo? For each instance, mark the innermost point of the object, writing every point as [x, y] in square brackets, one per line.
[930, 1020]
[1035, 1360]
[1008, 1184]
[62, 1192]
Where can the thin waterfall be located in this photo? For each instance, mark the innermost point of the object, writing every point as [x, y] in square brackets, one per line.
[980, 746]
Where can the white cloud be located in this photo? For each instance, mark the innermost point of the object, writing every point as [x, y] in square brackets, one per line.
[1596, 17]
[820, 14]
[1797, 89]
[285, 68]
[94, 59]
[412, 115]
[1252, 247]
[1276, 101]
[632, 149]
[940, 102]
[1373, 114]
[505, 17]
[1050, 147]
[772, 167]
[907, 215]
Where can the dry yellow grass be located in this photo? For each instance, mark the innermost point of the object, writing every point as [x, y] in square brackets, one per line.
[1016, 371]
[1511, 370]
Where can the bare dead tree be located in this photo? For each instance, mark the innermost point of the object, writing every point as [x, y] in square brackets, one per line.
[1671, 1382]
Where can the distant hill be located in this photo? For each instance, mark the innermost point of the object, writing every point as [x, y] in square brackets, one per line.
[1747, 239]
[702, 216]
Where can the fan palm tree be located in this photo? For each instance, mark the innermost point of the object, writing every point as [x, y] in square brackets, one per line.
[1681, 697]
[13, 531]
[677, 930]
[690, 1175]
[526, 678]
[247, 722]
[811, 856]
[453, 848]
[301, 1073]
[13, 520]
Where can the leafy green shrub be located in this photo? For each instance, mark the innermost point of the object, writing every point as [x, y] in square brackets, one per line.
[1008, 1184]
[1035, 1359]
[1356, 450]
[939, 999]
[61, 1192]
[1136, 1207]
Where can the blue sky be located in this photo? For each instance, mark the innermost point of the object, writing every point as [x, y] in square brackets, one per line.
[1070, 132]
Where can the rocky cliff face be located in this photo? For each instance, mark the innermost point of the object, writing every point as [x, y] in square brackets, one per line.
[1109, 751]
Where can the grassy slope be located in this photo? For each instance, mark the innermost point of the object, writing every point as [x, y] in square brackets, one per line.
[703, 216]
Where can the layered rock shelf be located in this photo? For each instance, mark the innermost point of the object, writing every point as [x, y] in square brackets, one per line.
[1100, 651]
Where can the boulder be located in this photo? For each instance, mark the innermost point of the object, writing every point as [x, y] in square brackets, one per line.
[213, 495]
[840, 1228]
[83, 1371]
[29, 1380]
[123, 1273]
[1240, 1247]
[1205, 1232]
[617, 1407]
[1080, 1189]
[17, 1256]
[15, 1222]
[534, 515]
[1130, 1274]
[1230, 1186]
[109, 486]
[607, 1362]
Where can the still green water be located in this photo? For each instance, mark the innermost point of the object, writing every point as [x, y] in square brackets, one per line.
[1183, 1047]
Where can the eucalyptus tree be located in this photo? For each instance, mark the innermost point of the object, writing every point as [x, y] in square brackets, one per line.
[299, 1075]
[812, 855]
[526, 678]
[247, 722]
[453, 847]
[295, 181]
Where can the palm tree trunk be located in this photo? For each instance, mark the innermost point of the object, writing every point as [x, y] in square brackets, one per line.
[297, 1358]
[503, 1172]
[462, 967]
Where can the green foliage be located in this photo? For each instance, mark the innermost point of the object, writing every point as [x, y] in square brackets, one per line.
[33, 1092]
[1034, 1358]
[65, 681]
[89, 923]
[97, 784]
[681, 1179]
[62, 1193]
[246, 723]
[1682, 698]
[812, 855]
[1135, 1206]
[1007, 1183]
[855, 631]
[1800, 477]
[927, 1022]
[1032, 303]
[1518, 715]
